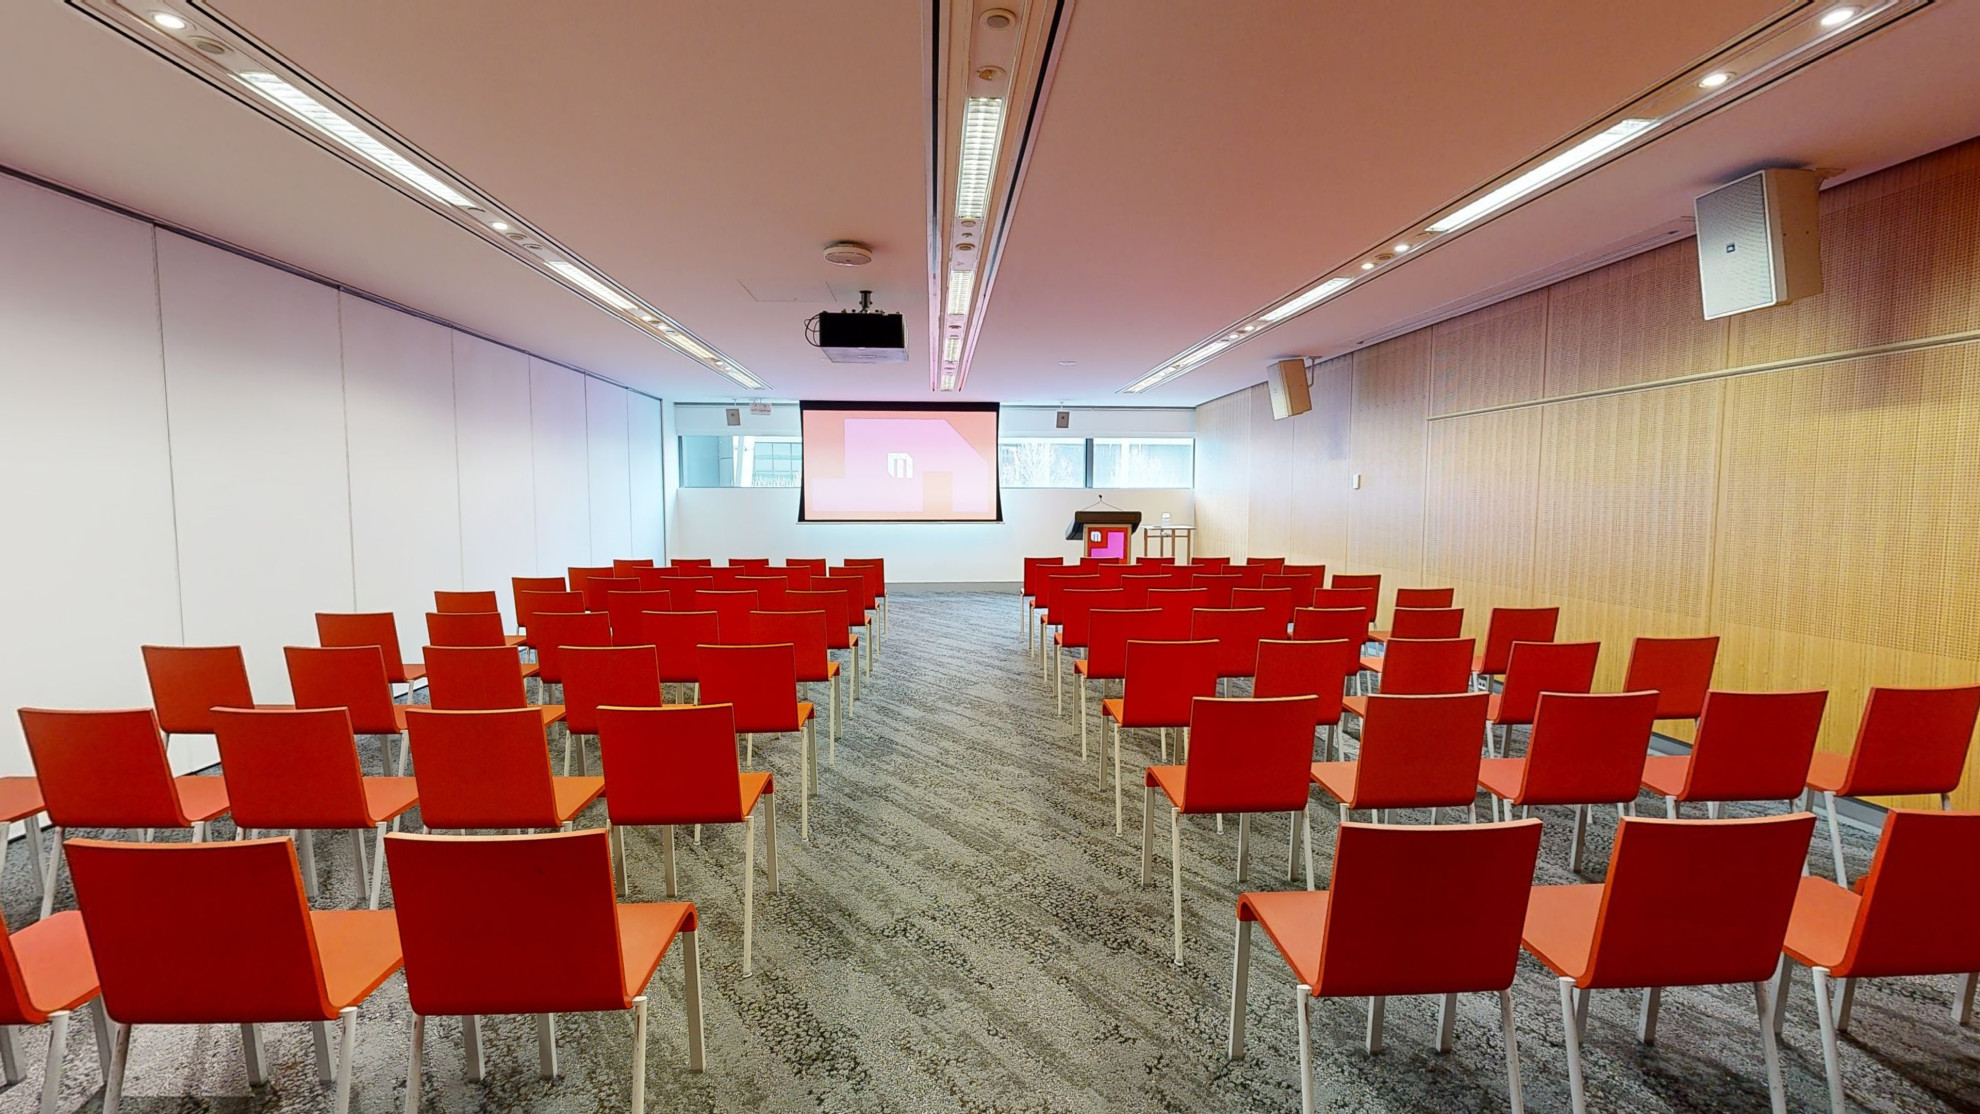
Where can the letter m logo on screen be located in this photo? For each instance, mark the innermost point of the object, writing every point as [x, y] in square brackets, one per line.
[900, 466]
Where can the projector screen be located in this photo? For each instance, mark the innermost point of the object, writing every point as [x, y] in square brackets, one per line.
[900, 462]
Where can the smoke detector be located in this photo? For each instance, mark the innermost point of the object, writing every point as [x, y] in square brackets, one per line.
[847, 253]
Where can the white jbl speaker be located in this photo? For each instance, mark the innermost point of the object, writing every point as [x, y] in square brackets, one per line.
[1757, 242]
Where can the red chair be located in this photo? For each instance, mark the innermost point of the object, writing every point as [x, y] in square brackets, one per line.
[1316, 624]
[465, 628]
[1245, 755]
[1317, 572]
[1155, 560]
[471, 603]
[677, 638]
[1750, 746]
[351, 678]
[651, 580]
[298, 769]
[1211, 562]
[1300, 584]
[626, 610]
[479, 679]
[1136, 586]
[1333, 599]
[879, 581]
[1416, 752]
[149, 914]
[530, 604]
[1507, 626]
[749, 562]
[1911, 741]
[1678, 669]
[692, 562]
[837, 605]
[1687, 903]
[1384, 928]
[1370, 581]
[474, 948]
[731, 607]
[1237, 633]
[1534, 668]
[682, 588]
[20, 800]
[1277, 604]
[1074, 608]
[1912, 915]
[761, 683]
[1585, 750]
[1425, 597]
[1420, 667]
[666, 767]
[1308, 669]
[770, 590]
[489, 770]
[1178, 607]
[1162, 680]
[553, 631]
[815, 565]
[1108, 632]
[188, 682]
[1249, 574]
[1421, 622]
[862, 583]
[600, 676]
[49, 975]
[1268, 564]
[371, 628]
[808, 633]
[1219, 585]
[1053, 583]
[523, 585]
[598, 589]
[628, 566]
[109, 770]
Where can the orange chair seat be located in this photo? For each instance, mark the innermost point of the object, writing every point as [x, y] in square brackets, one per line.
[1372, 663]
[1296, 922]
[1355, 704]
[20, 798]
[201, 798]
[529, 668]
[551, 713]
[414, 671]
[1818, 931]
[1828, 772]
[573, 793]
[1378, 636]
[646, 930]
[1665, 774]
[1116, 710]
[1492, 709]
[359, 950]
[1171, 781]
[386, 797]
[754, 786]
[1337, 778]
[1560, 927]
[1478, 665]
[1501, 777]
[56, 969]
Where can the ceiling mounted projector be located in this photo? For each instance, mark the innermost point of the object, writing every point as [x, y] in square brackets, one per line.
[862, 336]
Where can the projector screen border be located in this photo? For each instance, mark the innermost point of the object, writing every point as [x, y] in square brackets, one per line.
[805, 406]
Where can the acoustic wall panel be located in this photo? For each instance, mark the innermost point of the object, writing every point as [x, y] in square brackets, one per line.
[1496, 356]
[1481, 504]
[1385, 522]
[1636, 321]
[1271, 482]
[497, 470]
[256, 399]
[610, 465]
[1321, 466]
[563, 467]
[404, 465]
[1223, 507]
[644, 449]
[90, 552]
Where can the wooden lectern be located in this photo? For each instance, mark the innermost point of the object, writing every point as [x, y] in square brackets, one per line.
[1105, 532]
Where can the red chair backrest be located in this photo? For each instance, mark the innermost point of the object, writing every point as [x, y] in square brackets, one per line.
[621, 676]
[1300, 584]
[1317, 572]
[1754, 745]
[1426, 666]
[835, 604]
[554, 630]
[1163, 677]
[1219, 585]
[1249, 575]
[1297, 668]
[1203, 563]
[861, 582]
[670, 765]
[1277, 604]
[481, 770]
[102, 769]
[531, 604]
[1915, 916]
[187, 682]
[879, 567]
[470, 947]
[1056, 582]
[1108, 632]
[1250, 754]
[1426, 622]
[465, 628]
[1370, 581]
[148, 910]
[1237, 631]
[814, 566]
[805, 631]
[677, 638]
[1537, 667]
[520, 585]
[1679, 669]
[450, 603]
[770, 589]
[578, 576]
[1326, 624]
[374, 628]
[630, 566]
[871, 574]
[1155, 560]
[731, 607]
[1072, 607]
[347, 677]
[1388, 925]
[473, 678]
[760, 681]
[290, 768]
[1515, 624]
[1333, 599]
[1178, 607]
[748, 562]
[651, 580]
[1418, 751]
[626, 609]
[1135, 587]
[683, 588]
[1723, 887]
[1425, 597]
[1912, 740]
[1269, 564]
[691, 562]
[1588, 749]
[598, 589]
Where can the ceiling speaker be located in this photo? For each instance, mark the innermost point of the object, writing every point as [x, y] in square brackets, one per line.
[1288, 384]
[1757, 242]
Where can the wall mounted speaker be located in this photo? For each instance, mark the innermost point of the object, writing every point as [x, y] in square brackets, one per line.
[1287, 381]
[734, 415]
[1064, 419]
[1758, 244]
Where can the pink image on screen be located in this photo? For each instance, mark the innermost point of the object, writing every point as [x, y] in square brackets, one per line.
[905, 467]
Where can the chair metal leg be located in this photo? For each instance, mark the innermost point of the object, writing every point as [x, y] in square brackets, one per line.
[1378, 1008]
[667, 857]
[1835, 840]
[621, 877]
[1117, 779]
[1513, 1091]
[1244, 845]
[1962, 1007]
[1783, 978]
[31, 832]
[10, 1056]
[377, 860]
[639, 1055]
[1306, 840]
[120, 1060]
[1292, 845]
[99, 1019]
[1580, 838]
[1763, 1005]
[691, 998]
[1175, 875]
[546, 1045]
[1082, 718]
[346, 1059]
[1305, 1049]
[1240, 989]
[1147, 833]
[1577, 1088]
[1845, 1001]
[415, 1054]
[770, 836]
[306, 852]
[58, 1053]
[255, 1053]
[749, 892]
[474, 1048]
[1646, 1022]
[1446, 1022]
[805, 783]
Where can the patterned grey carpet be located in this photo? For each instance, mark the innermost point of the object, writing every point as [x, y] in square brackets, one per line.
[966, 933]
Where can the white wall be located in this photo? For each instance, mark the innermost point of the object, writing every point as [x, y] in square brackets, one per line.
[208, 450]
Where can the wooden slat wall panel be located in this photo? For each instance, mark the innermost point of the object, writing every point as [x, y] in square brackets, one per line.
[1495, 356]
[1223, 467]
[1385, 519]
[1321, 466]
[1480, 521]
[1634, 321]
[1271, 486]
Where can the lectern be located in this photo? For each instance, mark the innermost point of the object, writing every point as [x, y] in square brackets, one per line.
[1104, 531]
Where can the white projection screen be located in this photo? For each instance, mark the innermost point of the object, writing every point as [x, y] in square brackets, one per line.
[900, 462]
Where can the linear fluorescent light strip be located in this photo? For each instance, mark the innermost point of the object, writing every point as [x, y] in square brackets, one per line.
[951, 349]
[983, 125]
[596, 288]
[312, 112]
[1148, 381]
[961, 285]
[1308, 300]
[1561, 165]
[1204, 352]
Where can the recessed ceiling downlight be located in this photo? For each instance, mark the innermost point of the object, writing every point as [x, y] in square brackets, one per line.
[169, 21]
[1714, 80]
[1838, 17]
